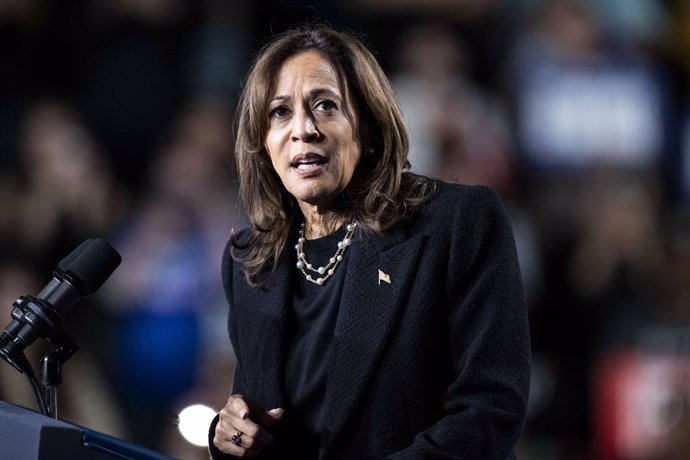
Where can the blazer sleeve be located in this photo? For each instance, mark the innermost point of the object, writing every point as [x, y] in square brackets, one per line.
[486, 403]
[227, 277]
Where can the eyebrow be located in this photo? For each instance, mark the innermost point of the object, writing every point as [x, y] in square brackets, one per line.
[312, 93]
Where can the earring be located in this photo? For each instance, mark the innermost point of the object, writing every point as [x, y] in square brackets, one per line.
[370, 150]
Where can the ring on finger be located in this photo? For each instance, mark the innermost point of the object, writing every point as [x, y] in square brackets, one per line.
[236, 438]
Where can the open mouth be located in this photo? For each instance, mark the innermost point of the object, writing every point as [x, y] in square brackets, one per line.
[307, 163]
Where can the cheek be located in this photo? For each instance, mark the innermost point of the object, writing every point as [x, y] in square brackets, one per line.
[354, 155]
[351, 152]
[349, 164]
[272, 147]
[353, 161]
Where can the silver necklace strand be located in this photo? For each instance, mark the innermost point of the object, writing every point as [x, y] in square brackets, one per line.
[327, 271]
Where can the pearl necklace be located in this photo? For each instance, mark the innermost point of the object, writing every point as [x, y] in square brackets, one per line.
[333, 262]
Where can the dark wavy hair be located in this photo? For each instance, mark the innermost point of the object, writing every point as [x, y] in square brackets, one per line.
[382, 194]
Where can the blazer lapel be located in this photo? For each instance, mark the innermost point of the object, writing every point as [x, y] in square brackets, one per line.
[379, 274]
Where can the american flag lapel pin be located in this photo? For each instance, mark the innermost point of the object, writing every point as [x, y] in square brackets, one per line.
[385, 277]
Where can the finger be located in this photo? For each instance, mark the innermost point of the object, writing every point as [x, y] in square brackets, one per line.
[226, 445]
[253, 433]
[249, 434]
[265, 419]
[273, 416]
[238, 405]
[232, 441]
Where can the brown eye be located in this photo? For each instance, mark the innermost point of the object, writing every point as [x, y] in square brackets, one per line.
[279, 112]
[325, 105]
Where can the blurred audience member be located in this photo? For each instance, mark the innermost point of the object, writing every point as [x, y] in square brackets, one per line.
[166, 297]
[618, 233]
[457, 130]
[135, 77]
[610, 264]
[66, 191]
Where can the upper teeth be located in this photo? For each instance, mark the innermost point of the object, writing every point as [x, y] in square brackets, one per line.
[308, 161]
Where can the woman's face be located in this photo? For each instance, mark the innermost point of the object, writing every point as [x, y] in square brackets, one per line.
[312, 133]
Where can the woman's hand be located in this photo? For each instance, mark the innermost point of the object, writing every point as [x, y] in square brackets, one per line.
[241, 428]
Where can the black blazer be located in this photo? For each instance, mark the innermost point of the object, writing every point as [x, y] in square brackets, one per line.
[433, 365]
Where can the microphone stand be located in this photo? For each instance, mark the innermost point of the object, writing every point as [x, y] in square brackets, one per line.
[29, 311]
[51, 377]
[20, 363]
[51, 367]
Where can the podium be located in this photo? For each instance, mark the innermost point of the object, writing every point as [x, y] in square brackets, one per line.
[28, 435]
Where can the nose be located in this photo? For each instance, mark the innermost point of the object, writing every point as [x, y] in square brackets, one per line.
[304, 127]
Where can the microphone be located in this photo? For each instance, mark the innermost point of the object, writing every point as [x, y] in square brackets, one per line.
[78, 275]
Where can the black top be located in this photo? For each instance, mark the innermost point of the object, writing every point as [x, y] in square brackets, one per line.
[315, 310]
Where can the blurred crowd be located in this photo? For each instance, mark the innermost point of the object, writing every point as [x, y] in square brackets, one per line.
[116, 120]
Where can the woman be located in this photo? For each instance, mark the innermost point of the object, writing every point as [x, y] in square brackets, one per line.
[374, 313]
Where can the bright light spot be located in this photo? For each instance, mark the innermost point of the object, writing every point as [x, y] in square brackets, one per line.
[194, 423]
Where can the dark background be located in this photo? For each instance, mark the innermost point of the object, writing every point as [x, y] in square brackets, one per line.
[116, 120]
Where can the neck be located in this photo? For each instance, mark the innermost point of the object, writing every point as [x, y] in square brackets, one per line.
[318, 223]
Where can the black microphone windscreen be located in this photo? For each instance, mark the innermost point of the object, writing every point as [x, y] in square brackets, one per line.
[91, 266]
[69, 258]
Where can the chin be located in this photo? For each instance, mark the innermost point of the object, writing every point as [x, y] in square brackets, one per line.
[323, 199]
[316, 193]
